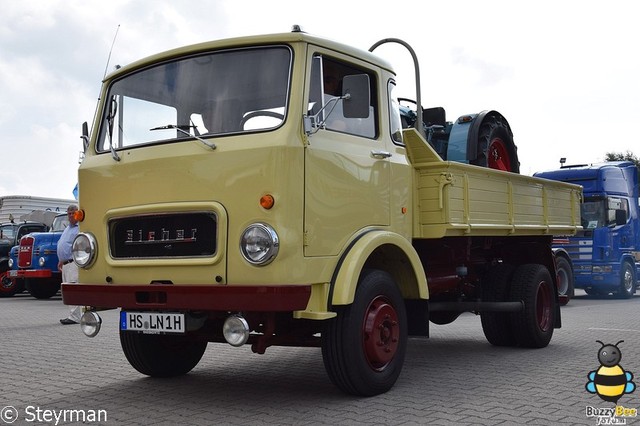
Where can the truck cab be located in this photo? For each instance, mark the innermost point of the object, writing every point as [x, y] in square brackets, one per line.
[262, 190]
[605, 254]
[10, 235]
[34, 262]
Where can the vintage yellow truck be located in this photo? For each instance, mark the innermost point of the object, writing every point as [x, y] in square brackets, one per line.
[262, 190]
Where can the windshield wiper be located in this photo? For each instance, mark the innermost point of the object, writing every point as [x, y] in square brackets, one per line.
[180, 129]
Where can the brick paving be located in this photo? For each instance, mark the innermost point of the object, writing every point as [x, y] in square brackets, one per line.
[454, 377]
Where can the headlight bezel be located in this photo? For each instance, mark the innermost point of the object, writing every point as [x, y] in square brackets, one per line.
[265, 238]
[84, 249]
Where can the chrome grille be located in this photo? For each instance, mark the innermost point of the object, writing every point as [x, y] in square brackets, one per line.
[163, 235]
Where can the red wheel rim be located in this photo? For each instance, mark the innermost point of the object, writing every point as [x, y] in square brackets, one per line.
[380, 333]
[543, 306]
[498, 156]
[5, 282]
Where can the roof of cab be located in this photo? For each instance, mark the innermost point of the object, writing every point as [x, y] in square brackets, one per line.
[257, 40]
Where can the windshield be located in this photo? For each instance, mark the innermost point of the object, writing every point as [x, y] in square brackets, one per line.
[59, 223]
[225, 92]
[592, 213]
[7, 231]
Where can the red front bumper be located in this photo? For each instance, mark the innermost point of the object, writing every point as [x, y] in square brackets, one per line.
[30, 273]
[257, 298]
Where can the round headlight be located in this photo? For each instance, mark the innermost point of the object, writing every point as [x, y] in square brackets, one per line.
[84, 250]
[259, 244]
[42, 261]
[10, 263]
[90, 323]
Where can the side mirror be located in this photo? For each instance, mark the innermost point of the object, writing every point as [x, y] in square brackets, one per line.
[85, 136]
[356, 96]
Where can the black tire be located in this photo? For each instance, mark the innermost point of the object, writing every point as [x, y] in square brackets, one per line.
[161, 355]
[495, 288]
[9, 287]
[533, 327]
[565, 277]
[627, 281]
[443, 317]
[495, 146]
[42, 288]
[363, 348]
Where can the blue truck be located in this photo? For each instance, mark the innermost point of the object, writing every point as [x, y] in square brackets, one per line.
[604, 257]
[10, 235]
[34, 262]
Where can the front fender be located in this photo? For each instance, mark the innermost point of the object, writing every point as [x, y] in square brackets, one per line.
[353, 260]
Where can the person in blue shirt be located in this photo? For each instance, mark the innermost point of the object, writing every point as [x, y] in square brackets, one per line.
[66, 265]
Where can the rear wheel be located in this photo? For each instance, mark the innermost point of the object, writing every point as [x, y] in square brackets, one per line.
[627, 281]
[496, 325]
[161, 355]
[363, 348]
[533, 327]
[495, 146]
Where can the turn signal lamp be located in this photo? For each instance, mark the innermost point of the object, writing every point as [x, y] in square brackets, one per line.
[267, 201]
[78, 215]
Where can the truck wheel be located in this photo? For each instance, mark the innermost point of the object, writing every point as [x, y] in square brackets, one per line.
[565, 277]
[533, 327]
[8, 287]
[363, 348]
[627, 281]
[42, 288]
[496, 325]
[496, 148]
[161, 355]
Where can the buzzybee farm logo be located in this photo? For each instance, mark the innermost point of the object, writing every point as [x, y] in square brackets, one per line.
[610, 382]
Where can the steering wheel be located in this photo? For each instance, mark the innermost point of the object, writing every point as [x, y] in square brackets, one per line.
[254, 114]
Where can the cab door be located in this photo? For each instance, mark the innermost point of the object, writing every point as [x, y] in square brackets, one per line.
[347, 170]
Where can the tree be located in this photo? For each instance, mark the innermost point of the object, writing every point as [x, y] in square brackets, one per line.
[618, 156]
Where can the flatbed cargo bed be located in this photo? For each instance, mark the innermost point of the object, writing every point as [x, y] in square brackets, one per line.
[456, 199]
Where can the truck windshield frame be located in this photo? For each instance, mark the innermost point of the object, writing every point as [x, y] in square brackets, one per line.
[219, 93]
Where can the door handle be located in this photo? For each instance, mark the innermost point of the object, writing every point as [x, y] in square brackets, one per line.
[380, 155]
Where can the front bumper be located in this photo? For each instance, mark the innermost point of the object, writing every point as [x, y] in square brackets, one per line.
[257, 298]
[30, 273]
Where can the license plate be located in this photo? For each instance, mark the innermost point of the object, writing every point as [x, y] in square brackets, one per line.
[152, 322]
[13, 273]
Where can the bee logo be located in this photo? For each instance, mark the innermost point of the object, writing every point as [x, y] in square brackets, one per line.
[610, 381]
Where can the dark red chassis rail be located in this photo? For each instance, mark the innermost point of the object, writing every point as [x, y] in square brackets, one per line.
[257, 298]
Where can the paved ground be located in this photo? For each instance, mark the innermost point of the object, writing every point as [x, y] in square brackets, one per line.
[455, 377]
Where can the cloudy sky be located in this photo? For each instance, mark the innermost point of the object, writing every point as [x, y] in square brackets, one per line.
[564, 73]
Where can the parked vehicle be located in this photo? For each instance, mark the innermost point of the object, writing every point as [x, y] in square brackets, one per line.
[604, 257]
[264, 208]
[35, 261]
[10, 234]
